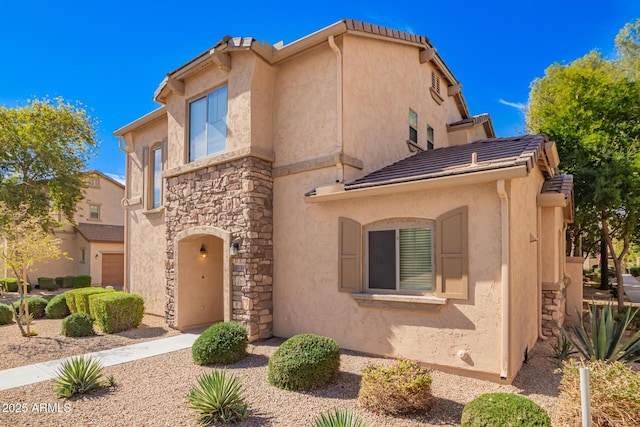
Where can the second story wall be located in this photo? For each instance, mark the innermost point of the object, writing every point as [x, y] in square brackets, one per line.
[102, 202]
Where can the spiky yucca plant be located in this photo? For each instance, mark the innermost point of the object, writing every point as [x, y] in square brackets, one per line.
[78, 375]
[218, 398]
[339, 418]
[604, 340]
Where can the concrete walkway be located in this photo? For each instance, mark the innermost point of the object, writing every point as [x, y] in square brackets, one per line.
[631, 288]
[23, 375]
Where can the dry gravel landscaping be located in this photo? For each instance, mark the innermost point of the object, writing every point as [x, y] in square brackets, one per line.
[152, 392]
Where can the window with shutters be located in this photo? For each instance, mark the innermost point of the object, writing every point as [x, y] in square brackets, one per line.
[399, 257]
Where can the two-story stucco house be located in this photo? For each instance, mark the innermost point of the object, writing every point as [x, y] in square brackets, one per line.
[339, 185]
[94, 246]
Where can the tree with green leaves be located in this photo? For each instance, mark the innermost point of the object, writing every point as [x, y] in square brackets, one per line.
[25, 243]
[45, 149]
[591, 108]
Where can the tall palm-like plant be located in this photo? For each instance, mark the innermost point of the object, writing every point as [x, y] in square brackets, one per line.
[604, 339]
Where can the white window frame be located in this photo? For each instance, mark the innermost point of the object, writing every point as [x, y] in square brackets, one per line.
[397, 225]
[151, 204]
[189, 155]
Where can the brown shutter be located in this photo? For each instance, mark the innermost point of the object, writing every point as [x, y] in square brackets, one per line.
[452, 264]
[349, 262]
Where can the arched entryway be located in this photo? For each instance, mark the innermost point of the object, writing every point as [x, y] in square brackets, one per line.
[202, 277]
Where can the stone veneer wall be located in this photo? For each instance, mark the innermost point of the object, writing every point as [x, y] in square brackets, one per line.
[238, 197]
[553, 307]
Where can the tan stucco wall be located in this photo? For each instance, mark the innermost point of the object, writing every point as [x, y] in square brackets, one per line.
[145, 238]
[306, 297]
[574, 288]
[524, 292]
[109, 195]
[552, 244]
[99, 248]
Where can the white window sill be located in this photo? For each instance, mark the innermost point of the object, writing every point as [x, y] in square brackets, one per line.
[154, 213]
[400, 302]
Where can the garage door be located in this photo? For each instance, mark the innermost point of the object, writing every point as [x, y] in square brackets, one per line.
[112, 269]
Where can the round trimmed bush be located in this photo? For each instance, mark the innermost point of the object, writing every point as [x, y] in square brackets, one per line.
[47, 283]
[224, 342]
[6, 314]
[503, 409]
[37, 306]
[77, 325]
[304, 362]
[57, 307]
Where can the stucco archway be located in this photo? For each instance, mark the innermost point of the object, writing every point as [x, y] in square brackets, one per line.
[203, 284]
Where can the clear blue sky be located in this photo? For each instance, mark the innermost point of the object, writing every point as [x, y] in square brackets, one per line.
[111, 55]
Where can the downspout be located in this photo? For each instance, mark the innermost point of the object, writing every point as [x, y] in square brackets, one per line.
[339, 137]
[124, 203]
[504, 215]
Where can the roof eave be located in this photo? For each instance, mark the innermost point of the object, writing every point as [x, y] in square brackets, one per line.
[142, 121]
[518, 171]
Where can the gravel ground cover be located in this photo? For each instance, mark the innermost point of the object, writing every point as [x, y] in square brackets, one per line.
[152, 392]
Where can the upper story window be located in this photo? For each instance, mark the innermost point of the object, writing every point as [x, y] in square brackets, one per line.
[413, 126]
[208, 124]
[155, 169]
[400, 258]
[94, 212]
[430, 138]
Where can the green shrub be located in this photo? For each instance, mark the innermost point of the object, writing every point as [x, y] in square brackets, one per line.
[224, 342]
[6, 314]
[11, 284]
[635, 271]
[401, 388]
[57, 307]
[117, 311]
[78, 299]
[37, 306]
[49, 297]
[82, 282]
[47, 284]
[59, 281]
[78, 375]
[304, 362]
[615, 394]
[339, 418]
[503, 409]
[218, 398]
[68, 281]
[77, 325]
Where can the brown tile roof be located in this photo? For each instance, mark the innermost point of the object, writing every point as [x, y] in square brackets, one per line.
[365, 27]
[101, 232]
[562, 184]
[492, 153]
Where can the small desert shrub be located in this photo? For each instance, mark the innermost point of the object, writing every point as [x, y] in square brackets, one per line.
[6, 314]
[401, 388]
[59, 281]
[82, 282]
[78, 376]
[78, 299]
[10, 284]
[503, 409]
[77, 325]
[339, 418]
[68, 281]
[635, 271]
[37, 306]
[562, 349]
[47, 283]
[218, 398]
[57, 307]
[615, 394]
[224, 342]
[304, 362]
[117, 311]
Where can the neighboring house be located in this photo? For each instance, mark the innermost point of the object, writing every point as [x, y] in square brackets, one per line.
[338, 185]
[95, 245]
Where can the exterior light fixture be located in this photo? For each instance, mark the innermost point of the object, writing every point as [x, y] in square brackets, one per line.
[203, 251]
[233, 249]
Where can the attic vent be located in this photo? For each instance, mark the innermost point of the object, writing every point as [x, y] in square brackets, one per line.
[435, 82]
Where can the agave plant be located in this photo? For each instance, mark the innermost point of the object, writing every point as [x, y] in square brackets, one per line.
[604, 339]
[562, 349]
[218, 398]
[339, 418]
[78, 375]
